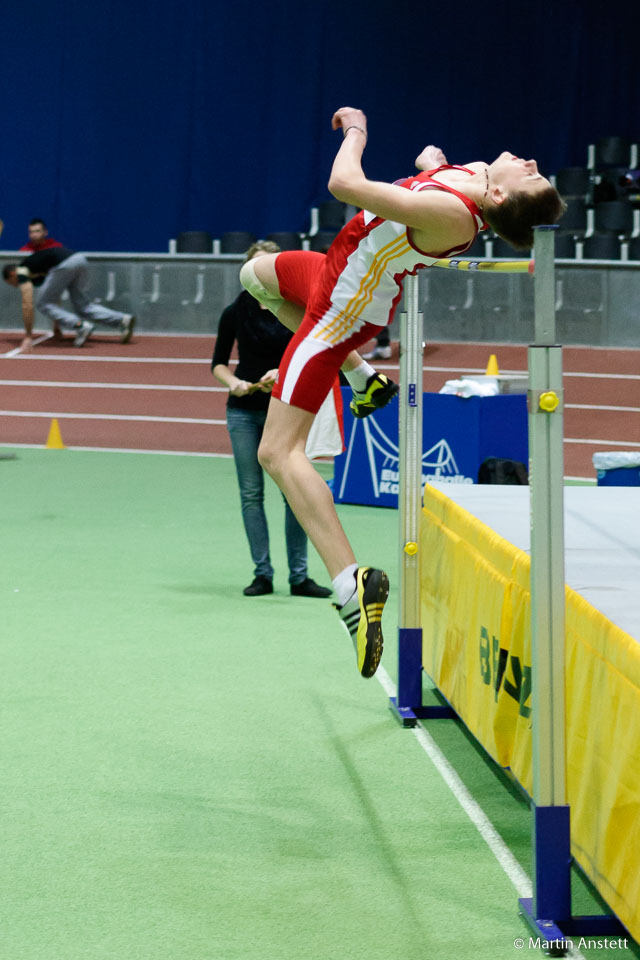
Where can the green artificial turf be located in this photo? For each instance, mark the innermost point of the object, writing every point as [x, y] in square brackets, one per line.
[189, 774]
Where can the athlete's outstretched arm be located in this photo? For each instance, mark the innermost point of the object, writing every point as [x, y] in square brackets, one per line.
[443, 221]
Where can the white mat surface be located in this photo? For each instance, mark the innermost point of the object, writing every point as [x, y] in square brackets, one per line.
[602, 539]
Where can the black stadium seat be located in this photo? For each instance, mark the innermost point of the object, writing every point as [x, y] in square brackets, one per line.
[286, 240]
[322, 240]
[601, 246]
[236, 241]
[194, 241]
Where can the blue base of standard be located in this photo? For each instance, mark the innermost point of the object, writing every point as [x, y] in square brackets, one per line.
[548, 913]
[407, 704]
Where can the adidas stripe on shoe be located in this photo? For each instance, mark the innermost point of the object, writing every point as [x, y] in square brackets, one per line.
[377, 393]
[362, 616]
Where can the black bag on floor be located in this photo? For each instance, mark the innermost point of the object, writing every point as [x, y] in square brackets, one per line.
[497, 470]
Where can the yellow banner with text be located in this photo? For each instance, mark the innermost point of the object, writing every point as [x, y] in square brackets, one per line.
[477, 650]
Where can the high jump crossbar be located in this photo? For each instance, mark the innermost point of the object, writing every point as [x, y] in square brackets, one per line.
[487, 266]
[548, 912]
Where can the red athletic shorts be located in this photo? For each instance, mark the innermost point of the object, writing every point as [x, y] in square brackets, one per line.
[310, 365]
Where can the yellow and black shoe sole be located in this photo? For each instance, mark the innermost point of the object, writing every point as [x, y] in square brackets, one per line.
[378, 395]
[373, 590]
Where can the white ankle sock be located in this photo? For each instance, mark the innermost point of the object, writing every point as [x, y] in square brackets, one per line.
[358, 378]
[345, 584]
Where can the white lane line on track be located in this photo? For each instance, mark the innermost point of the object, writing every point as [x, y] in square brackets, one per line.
[599, 406]
[167, 453]
[187, 389]
[110, 386]
[606, 443]
[470, 806]
[107, 416]
[383, 366]
[481, 370]
[604, 376]
[85, 359]
[18, 350]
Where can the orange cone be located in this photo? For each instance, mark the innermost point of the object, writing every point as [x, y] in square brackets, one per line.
[492, 366]
[54, 440]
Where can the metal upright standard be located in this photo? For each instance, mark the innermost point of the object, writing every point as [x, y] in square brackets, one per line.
[549, 911]
[409, 496]
[408, 701]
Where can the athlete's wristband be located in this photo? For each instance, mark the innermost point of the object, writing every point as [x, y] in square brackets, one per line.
[354, 127]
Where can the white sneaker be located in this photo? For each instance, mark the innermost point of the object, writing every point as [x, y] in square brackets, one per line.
[84, 333]
[379, 353]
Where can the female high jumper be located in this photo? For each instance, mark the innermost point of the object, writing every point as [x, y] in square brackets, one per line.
[339, 301]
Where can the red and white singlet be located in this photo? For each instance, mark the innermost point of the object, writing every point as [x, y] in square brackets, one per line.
[355, 291]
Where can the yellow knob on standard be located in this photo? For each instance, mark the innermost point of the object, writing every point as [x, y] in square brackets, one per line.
[411, 548]
[549, 401]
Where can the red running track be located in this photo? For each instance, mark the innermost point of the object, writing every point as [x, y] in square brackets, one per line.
[157, 393]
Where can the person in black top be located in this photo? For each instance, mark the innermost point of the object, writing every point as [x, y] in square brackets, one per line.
[261, 340]
[55, 270]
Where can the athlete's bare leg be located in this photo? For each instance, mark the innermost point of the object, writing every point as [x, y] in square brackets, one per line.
[282, 454]
[361, 591]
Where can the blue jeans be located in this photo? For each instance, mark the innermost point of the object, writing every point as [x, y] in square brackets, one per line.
[245, 429]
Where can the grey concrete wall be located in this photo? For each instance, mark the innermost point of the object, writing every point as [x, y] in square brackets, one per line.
[598, 304]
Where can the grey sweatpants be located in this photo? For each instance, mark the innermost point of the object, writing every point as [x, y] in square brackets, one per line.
[73, 275]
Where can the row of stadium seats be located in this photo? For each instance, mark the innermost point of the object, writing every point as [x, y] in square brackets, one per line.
[602, 220]
[326, 221]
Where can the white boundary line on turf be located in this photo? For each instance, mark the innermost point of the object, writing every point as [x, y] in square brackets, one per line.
[489, 834]
[179, 453]
[470, 806]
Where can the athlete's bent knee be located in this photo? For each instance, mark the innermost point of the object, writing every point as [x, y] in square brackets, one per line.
[266, 456]
[254, 286]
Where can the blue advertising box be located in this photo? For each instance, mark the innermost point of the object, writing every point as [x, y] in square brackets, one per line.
[458, 434]
[619, 477]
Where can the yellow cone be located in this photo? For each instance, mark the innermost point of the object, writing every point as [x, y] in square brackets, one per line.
[54, 440]
[492, 366]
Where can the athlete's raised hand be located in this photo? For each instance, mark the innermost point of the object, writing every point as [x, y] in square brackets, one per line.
[430, 158]
[348, 118]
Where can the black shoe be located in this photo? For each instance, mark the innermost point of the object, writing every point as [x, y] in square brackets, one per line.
[379, 391]
[309, 588]
[259, 587]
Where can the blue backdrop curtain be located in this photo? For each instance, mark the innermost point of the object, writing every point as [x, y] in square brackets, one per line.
[125, 123]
